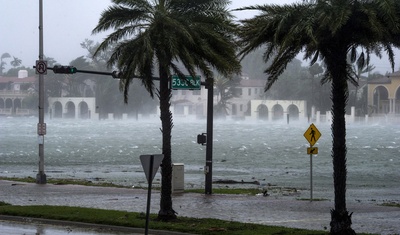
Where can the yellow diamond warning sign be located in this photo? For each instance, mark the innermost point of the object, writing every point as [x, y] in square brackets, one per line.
[312, 134]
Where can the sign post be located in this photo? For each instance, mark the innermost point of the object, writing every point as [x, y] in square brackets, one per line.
[150, 164]
[41, 69]
[312, 135]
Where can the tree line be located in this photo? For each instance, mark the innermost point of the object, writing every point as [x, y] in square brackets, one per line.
[297, 82]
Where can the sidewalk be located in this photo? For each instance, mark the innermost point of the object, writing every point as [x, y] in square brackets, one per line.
[13, 225]
[272, 210]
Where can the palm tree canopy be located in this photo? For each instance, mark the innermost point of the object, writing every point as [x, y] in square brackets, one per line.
[16, 62]
[197, 33]
[151, 35]
[320, 30]
[328, 30]
[5, 55]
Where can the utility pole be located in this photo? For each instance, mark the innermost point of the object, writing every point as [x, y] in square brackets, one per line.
[41, 69]
[207, 138]
[41, 128]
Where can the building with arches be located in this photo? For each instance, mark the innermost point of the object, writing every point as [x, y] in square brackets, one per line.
[274, 110]
[73, 107]
[384, 95]
[11, 103]
[13, 93]
[187, 102]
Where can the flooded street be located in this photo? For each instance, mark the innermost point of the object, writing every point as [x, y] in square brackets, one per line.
[271, 153]
[19, 228]
[277, 209]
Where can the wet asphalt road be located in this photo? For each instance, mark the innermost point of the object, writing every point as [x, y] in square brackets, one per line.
[280, 210]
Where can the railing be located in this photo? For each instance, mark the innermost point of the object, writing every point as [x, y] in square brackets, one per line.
[6, 94]
[13, 92]
[25, 112]
[6, 111]
[18, 112]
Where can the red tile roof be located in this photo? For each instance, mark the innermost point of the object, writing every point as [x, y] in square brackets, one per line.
[17, 80]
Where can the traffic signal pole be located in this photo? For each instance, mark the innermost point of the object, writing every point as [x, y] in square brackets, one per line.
[207, 138]
[209, 84]
[209, 146]
[72, 70]
[41, 128]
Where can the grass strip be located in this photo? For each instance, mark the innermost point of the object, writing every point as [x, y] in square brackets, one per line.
[247, 191]
[65, 181]
[137, 220]
[392, 204]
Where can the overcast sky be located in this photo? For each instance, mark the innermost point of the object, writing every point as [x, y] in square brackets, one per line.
[68, 23]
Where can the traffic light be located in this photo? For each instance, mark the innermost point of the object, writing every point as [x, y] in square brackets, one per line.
[64, 69]
[202, 139]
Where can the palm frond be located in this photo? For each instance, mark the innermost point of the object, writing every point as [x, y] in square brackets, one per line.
[118, 16]
[361, 61]
[280, 28]
[352, 76]
[279, 65]
[200, 34]
[390, 54]
[388, 10]
[314, 58]
[353, 54]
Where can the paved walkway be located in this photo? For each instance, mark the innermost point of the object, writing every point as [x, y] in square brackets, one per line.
[272, 210]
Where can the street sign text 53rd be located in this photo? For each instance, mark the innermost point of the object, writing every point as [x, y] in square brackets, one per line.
[188, 83]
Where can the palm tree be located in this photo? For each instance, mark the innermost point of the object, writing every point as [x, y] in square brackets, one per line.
[3, 56]
[154, 36]
[326, 30]
[359, 69]
[226, 89]
[54, 82]
[314, 70]
[77, 86]
[16, 62]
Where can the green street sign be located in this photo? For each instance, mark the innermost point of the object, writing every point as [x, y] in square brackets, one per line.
[189, 83]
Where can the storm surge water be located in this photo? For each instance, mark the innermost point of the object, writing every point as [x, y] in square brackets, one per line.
[272, 153]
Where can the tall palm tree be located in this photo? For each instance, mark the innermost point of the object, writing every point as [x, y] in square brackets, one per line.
[154, 36]
[226, 89]
[16, 62]
[3, 56]
[77, 86]
[358, 70]
[326, 30]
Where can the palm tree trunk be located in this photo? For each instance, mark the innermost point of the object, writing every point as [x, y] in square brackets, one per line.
[340, 218]
[166, 212]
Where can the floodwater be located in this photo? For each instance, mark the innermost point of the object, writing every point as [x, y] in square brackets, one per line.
[17, 228]
[272, 153]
